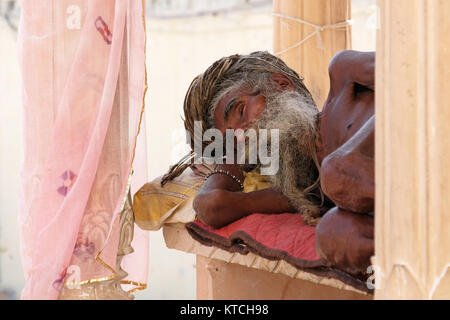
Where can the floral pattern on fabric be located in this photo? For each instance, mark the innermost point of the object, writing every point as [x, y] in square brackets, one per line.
[68, 178]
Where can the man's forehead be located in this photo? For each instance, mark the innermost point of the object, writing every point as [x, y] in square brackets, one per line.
[232, 94]
[228, 99]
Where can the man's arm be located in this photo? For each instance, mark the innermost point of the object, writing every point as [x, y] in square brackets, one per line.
[220, 201]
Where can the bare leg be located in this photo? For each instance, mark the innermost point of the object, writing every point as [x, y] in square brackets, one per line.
[348, 173]
[346, 240]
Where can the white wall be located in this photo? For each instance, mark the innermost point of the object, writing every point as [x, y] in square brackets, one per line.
[365, 21]
[11, 277]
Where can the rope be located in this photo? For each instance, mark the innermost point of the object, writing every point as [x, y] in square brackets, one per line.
[317, 31]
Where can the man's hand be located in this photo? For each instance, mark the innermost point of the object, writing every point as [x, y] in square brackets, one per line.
[346, 240]
[221, 202]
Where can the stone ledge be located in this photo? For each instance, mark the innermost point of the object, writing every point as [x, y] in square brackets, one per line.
[177, 237]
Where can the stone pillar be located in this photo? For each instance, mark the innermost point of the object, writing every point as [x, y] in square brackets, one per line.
[311, 58]
[412, 150]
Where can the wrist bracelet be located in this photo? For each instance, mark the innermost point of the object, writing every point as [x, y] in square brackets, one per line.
[227, 173]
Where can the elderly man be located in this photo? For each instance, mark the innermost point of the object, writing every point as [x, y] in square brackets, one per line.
[326, 168]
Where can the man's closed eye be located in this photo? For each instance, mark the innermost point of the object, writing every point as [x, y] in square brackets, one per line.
[241, 109]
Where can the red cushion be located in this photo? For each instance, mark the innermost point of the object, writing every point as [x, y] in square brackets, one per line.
[275, 237]
[285, 232]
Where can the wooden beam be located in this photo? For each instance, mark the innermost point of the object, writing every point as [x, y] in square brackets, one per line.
[412, 150]
[308, 59]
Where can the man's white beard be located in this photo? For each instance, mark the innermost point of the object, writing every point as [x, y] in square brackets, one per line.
[295, 116]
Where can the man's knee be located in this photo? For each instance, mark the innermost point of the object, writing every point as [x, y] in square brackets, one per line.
[332, 179]
[343, 182]
[345, 240]
[329, 178]
[325, 234]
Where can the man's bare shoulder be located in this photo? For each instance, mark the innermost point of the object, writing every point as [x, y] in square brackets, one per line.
[350, 58]
[350, 66]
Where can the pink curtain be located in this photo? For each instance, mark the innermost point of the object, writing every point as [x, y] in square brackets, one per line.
[84, 81]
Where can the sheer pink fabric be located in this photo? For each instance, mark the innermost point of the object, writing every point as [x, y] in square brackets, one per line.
[83, 70]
